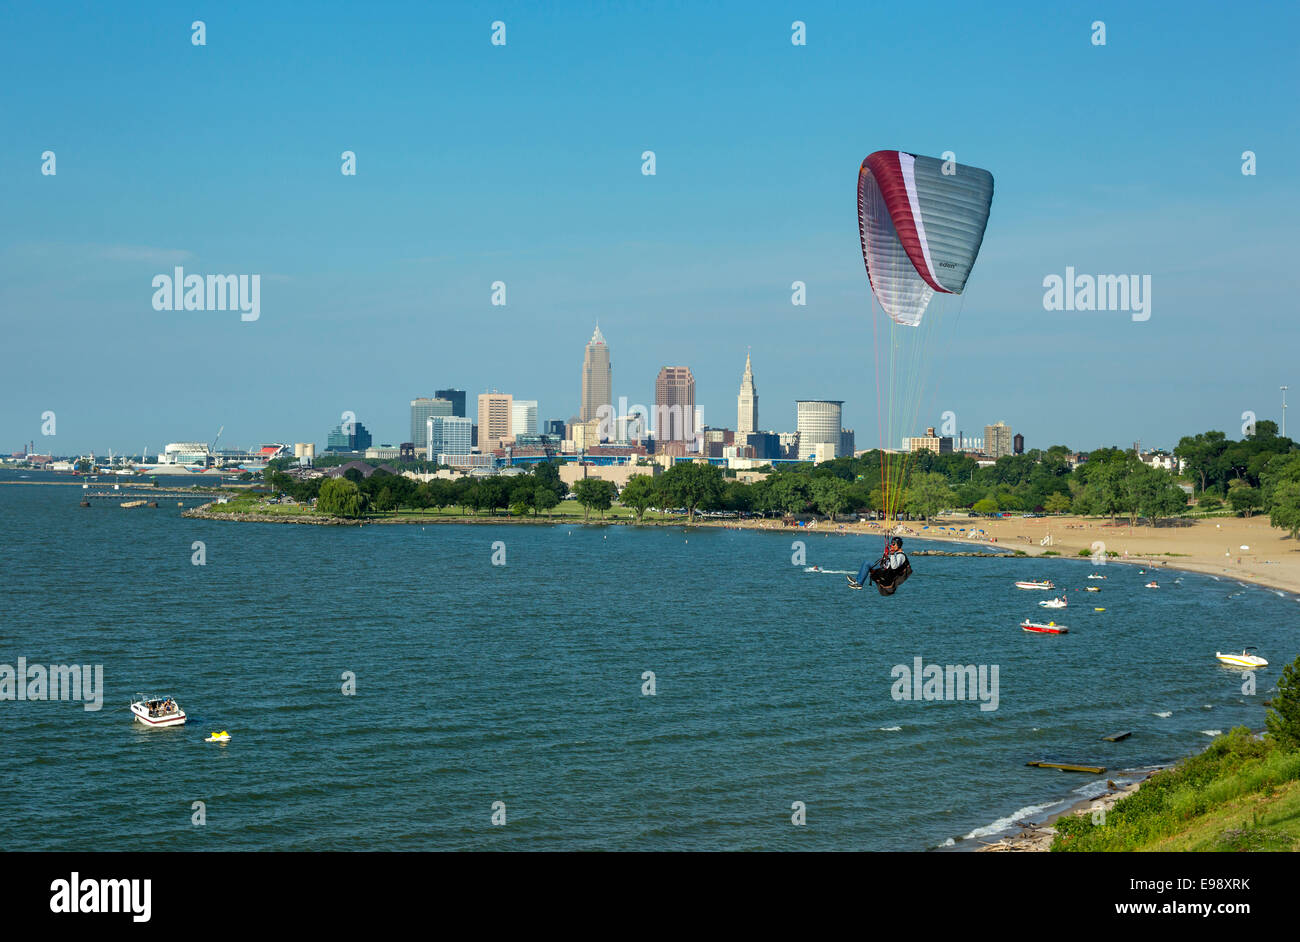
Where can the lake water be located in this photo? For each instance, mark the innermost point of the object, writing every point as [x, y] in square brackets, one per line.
[522, 684]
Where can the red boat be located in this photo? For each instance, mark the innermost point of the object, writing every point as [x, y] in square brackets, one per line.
[1051, 628]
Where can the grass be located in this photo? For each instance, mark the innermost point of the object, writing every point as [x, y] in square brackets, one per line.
[1242, 793]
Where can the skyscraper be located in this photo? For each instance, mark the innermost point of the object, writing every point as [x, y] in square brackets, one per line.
[818, 422]
[597, 378]
[997, 440]
[457, 399]
[747, 404]
[674, 416]
[493, 419]
[449, 435]
[523, 417]
[422, 410]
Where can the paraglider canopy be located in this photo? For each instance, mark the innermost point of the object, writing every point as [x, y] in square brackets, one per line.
[921, 221]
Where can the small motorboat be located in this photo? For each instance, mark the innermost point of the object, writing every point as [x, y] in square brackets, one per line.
[1054, 603]
[1051, 628]
[1093, 588]
[222, 736]
[1244, 659]
[158, 711]
[1153, 585]
[1035, 585]
[1099, 610]
[1096, 575]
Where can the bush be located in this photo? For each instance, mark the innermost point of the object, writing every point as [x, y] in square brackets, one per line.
[1283, 716]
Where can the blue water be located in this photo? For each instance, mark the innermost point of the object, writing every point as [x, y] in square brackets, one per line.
[522, 684]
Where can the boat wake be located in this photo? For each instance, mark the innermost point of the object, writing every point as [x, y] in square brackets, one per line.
[890, 729]
[1212, 732]
[1165, 715]
[832, 572]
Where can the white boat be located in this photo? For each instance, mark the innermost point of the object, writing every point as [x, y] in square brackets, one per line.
[158, 711]
[1244, 659]
[1053, 603]
[1046, 584]
[1096, 575]
[1153, 585]
[1093, 588]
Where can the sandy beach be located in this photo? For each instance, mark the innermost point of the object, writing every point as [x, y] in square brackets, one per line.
[1212, 546]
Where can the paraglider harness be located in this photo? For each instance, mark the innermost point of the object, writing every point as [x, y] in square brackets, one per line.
[888, 580]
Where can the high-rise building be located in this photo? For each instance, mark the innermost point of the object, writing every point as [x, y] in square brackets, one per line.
[457, 399]
[819, 422]
[746, 404]
[358, 439]
[997, 440]
[493, 419]
[449, 435]
[555, 427]
[765, 445]
[422, 410]
[523, 417]
[597, 379]
[674, 416]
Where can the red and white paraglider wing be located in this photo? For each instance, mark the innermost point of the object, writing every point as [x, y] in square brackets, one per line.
[921, 228]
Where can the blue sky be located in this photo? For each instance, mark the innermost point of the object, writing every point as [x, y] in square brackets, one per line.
[522, 164]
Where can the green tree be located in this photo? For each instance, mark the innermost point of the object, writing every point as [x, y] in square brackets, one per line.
[1285, 509]
[692, 484]
[985, 506]
[1056, 503]
[544, 498]
[384, 500]
[1283, 717]
[340, 498]
[830, 495]
[928, 494]
[1244, 499]
[639, 494]
[594, 494]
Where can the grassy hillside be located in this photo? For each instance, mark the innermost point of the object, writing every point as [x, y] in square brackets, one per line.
[1242, 793]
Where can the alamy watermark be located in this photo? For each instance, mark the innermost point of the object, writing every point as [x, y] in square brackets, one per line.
[1098, 293]
[83, 682]
[924, 681]
[181, 292]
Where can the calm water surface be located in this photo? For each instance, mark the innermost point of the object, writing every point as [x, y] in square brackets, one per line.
[522, 684]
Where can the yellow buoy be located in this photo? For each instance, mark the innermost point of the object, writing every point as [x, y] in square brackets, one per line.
[1099, 610]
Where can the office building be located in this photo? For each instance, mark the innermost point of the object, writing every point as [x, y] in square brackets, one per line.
[457, 399]
[494, 412]
[674, 409]
[997, 440]
[523, 417]
[746, 404]
[450, 435]
[819, 423]
[422, 410]
[340, 439]
[597, 379]
[940, 445]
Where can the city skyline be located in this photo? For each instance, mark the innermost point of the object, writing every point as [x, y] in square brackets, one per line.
[690, 265]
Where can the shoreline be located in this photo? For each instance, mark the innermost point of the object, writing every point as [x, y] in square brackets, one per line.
[1286, 587]
[1038, 838]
